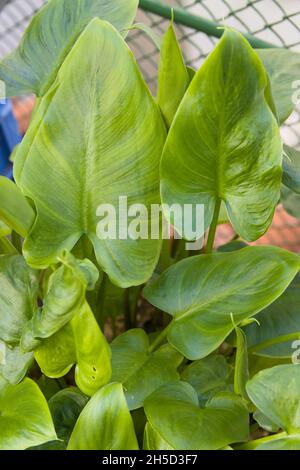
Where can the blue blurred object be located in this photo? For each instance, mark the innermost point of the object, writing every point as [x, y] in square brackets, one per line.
[9, 137]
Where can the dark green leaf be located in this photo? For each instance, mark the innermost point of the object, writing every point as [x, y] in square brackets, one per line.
[276, 322]
[65, 408]
[209, 376]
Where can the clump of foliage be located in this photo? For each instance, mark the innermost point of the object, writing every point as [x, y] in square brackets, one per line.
[204, 358]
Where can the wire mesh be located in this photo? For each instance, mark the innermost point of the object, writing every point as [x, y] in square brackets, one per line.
[275, 21]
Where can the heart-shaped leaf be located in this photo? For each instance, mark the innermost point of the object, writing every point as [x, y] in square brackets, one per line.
[105, 423]
[80, 342]
[224, 143]
[140, 371]
[174, 414]
[114, 133]
[33, 66]
[25, 419]
[203, 292]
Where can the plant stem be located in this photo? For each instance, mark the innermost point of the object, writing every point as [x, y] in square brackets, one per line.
[251, 445]
[213, 228]
[273, 341]
[158, 340]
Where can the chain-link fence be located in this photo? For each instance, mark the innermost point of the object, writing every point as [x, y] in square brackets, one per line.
[276, 22]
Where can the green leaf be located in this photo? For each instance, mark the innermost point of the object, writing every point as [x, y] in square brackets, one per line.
[224, 143]
[285, 443]
[173, 77]
[4, 229]
[64, 299]
[174, 414]
[14, 364]
[18, 296]
[291, 168]
[139, 371]
[153, 441]
[25, 419]
[203, 292]
[65, 407]
[275, 392]
[282, 66]
[80, 342]
[208, 376]
[241, 370]
[276, 322]
[105, 423]
[291, 202]
[265, 422]
[15, 210]
[115, 133]
[33, 66]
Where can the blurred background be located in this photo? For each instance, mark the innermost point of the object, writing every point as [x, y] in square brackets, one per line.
[274, 21]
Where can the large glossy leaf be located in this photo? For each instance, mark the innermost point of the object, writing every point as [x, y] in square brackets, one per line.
[4, 229]
[282, 66]
[65, 298]
[277, 321]
[80, 342]
[209, 376]
[50, 37]
[15, 210]
[25, 419]
[174, 414]
[71, 163]
[202, 294]
[105, 423]
[291, 168]
[141, 372]
[224, 143]
[18, 296]
[173, 77]
[65, 407]
[275, 392]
